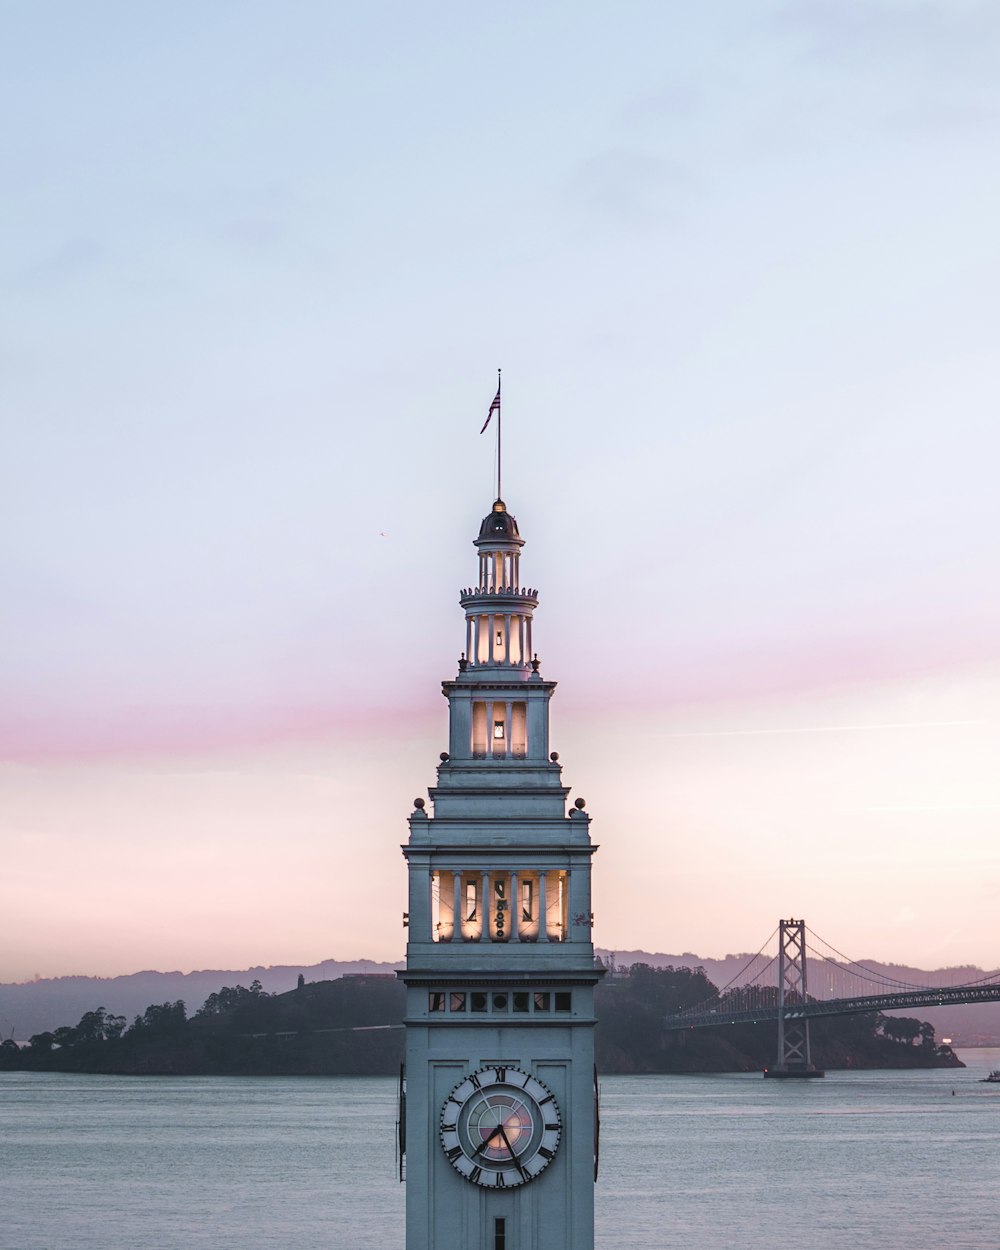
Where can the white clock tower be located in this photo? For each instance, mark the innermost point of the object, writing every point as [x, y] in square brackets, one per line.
[501, 1122]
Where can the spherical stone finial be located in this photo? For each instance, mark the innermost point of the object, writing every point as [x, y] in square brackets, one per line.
[554, 757]
[580, 804]
[445, 757]
[419, 804]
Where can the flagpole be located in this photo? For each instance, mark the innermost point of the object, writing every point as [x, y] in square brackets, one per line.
[499, 421]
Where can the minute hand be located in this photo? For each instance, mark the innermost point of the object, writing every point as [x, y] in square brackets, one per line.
[515, 1159]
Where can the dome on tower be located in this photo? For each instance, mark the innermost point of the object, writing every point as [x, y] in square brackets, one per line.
[499, 525]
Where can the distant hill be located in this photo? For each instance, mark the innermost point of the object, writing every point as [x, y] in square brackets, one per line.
[35, 1006]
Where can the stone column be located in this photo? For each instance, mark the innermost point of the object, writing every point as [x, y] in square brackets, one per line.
[484, 910]
[578, 883]
[460, 727]
[458, 908]
[420, 902]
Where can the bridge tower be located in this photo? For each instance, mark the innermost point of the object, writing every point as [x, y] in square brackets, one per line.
[500, 1123]
[794, 1058]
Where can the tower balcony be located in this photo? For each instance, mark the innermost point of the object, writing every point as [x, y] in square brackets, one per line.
[524, 598]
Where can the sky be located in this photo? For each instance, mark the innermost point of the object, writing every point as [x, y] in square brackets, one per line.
[259, 264]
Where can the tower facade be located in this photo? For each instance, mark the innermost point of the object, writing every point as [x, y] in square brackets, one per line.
[501, 1121]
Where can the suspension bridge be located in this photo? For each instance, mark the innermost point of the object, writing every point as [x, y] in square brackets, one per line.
[772, 986]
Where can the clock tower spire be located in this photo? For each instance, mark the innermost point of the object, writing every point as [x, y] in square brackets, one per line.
[500, 1133]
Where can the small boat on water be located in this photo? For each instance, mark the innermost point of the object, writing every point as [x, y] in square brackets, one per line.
[992, 1079]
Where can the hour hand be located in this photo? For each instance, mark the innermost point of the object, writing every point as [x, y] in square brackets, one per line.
[485, 1145]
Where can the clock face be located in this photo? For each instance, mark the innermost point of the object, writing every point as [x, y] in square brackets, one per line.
[500, 1127]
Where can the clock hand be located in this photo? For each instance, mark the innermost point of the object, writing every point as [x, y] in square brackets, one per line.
[485, 1145]
[510, 1150]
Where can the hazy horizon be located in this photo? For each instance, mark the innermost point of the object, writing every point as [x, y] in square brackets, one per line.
[400, 961]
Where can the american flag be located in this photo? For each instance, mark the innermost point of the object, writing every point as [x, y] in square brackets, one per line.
[494, 407]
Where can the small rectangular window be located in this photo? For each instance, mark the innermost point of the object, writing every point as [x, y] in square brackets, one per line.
[563, 1001]
[527, 900]
[520, 1001]
[470, 900]
[457, 1002]
[541, 1001]
[435, 1000]
[499, 1002]
[498, 731]
[499, 1233]
[478, 1000]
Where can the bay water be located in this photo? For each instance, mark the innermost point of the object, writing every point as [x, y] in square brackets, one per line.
[897, 1159]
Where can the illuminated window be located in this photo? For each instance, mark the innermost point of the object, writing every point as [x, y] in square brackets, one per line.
[499, 637]
[435, 1000]
[457, 1002]
[470, 900]
[527, 899]
[498, 731]
[541, 1001]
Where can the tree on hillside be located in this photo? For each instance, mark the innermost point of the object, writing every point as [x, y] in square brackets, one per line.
[231, 997]
[903, 1029]
[159, 1020]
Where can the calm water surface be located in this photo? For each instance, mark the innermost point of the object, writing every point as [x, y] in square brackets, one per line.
[888, 1159]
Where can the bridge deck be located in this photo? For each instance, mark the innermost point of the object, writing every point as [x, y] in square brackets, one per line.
[837, 1006]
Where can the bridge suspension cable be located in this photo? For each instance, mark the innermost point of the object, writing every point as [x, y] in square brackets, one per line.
[749, 963]
[745, 998]
[844, 962]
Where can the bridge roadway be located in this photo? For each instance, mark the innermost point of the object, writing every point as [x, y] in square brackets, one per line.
[838, 1006]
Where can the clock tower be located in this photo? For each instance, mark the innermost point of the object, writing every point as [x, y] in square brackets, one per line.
[501, 1117]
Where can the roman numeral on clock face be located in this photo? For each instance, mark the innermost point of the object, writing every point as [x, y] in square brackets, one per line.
[475, 1081]
[501, 1075]
[453, 1153]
